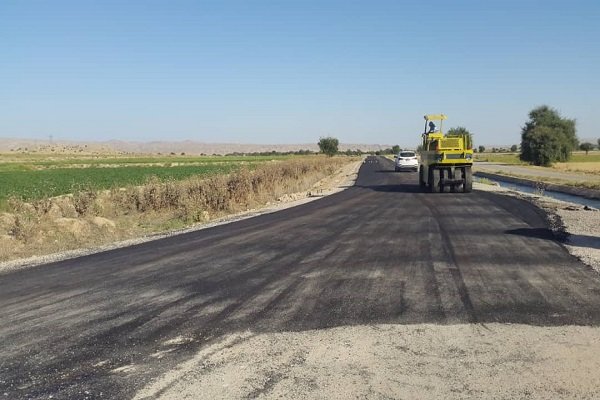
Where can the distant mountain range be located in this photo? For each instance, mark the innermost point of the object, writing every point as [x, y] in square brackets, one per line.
[164, 147]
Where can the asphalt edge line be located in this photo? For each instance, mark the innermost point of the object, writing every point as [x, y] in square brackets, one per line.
[559, 229]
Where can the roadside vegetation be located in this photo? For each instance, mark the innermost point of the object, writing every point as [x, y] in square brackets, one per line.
[547, 137]
[502, 158]
[36, 176]
[329, 145]
[35, 223]
[586, 147]
[548, 140]
[30, 185]
[579, 161]
[486, 181]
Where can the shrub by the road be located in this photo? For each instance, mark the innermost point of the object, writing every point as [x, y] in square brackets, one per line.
[547, 137]
[329, 145]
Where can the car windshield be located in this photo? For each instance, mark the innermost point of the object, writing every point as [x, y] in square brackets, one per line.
[407, 154]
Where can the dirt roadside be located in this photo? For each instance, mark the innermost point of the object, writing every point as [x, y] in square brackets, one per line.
[421, 361]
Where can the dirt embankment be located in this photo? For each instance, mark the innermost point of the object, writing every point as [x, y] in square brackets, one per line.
[73, 225]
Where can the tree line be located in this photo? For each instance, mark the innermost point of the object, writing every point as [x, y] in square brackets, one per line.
[546, 138]
[329, 146]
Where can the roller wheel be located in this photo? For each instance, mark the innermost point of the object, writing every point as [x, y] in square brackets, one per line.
[468, 176]
[434, 180]
[421, 178]
[460, 174]
[444, 173]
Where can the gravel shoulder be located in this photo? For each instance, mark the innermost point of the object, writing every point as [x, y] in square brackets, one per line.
[577, 226]
[422, 361]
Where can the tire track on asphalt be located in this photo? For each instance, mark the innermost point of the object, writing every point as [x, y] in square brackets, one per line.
[453, 264]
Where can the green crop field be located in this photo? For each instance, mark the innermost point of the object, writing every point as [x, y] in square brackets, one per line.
[37, 161]
[592, 156]
[34, 177]
[505, 158]
[513, 158]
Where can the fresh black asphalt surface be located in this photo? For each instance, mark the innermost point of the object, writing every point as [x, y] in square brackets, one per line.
[379, 252]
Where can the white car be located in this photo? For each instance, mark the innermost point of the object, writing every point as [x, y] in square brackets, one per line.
[406, 160]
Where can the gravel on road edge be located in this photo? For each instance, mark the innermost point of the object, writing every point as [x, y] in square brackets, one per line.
[577, 227]
[392, 361]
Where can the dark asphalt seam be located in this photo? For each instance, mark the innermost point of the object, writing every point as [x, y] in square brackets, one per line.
[453, 266]
[431, 282]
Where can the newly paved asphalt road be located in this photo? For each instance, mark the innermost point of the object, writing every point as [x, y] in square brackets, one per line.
[379, 252]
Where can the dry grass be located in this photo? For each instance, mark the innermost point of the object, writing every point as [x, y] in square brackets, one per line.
[592, 167]
[90, 218]
[545, 179]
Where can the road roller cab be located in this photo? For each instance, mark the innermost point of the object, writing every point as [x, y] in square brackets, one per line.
[445, 160]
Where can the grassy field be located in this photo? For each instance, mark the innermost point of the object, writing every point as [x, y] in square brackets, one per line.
[504, 158]
[589, 167]
[35, 176]
[27, 162]
[578, 159]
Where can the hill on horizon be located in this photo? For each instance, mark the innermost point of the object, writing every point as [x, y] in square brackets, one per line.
[165, 147]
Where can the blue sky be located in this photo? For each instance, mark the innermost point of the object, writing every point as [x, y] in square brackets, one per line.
[292, 71]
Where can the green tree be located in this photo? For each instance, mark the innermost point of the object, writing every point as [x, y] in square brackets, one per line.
[514, 148]
[545, 145]
[329, 145]
[598, 144]
[481, 149]
[547, 137]
[396, 149]
[586, 147]
[460, 131]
